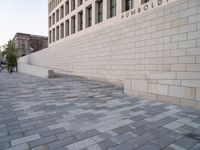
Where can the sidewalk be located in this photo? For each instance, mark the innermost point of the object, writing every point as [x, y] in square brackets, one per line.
[74, 113]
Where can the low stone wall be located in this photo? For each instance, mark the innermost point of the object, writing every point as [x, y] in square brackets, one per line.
[180, 88]
[35, 70]
[156, 54]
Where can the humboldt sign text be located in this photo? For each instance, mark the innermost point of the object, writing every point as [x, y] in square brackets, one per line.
[144, 8]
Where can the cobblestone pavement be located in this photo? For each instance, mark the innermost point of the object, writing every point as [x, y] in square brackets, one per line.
[75, 113]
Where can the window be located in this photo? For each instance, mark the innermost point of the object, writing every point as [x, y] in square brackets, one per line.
[66, 7]
[67, 28]
[62, 30]
[54, 18]
[144, 1]
[80, 2]
[127, 5]
[73, 24]
[89, 16]
[57, 33]
[57, 15]
[73, 5]
[49, 36]
[99, 11]
[112, 8]
[80, 21]
[53, 35]
[61, 12]
[50, 21]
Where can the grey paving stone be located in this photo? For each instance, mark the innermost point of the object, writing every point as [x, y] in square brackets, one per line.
[140, 123]
[185, 129]
[2, 134]
[25, 139]
[62, 148]
[36, 131]
[4, 145]
[101, 137]
[139, 117]
[44, 147]
[124, 146]
[23, 146]
[196, 147]
[175, 135]
[42, 141]
[61, 143]
[160, 132]
[175, 147]
[142, 130]
[106, 144]
[123, 137]
[163, 141]
[67, 134]
[162, 122]
[81, 144]
[186, 142]
[87, 134]
[140, 140]
[52, 132]
[149, 147]
[122, 129]
[78, 113]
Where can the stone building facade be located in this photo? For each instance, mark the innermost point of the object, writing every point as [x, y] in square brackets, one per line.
[28, 43]
[151, 47]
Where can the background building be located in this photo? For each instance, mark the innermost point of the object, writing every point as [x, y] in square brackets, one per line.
[150, 47]
[27, 43]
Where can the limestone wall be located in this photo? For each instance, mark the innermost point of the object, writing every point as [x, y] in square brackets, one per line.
[156, 54]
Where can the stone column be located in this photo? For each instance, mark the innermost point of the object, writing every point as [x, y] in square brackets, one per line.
[137, 3]
[84, 18]
[93, 13]
[105, 9]
[118, 7]
[76, 23]
[70, 26]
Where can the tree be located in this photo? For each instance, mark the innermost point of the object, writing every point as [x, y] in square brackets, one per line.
[11, 56]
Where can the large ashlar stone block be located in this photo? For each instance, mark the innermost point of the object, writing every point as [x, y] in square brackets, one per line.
[127, 84]
[186, 59]
[178, 67]
[179, 22]
[188, 75]
[188, 44]
[193, 67]
[198, 59]
[191, 83]
[198, 94]
[165, 75]
[190, 103]
[188, 28]
[139, 85]
[182, 92]
[168, 99]
[158, 89]
[194, 35]
[169, 82]
[193, 51]
[35, 70]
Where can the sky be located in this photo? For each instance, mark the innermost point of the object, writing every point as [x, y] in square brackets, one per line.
[26, 16]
